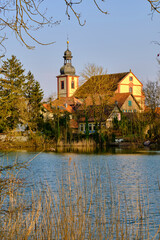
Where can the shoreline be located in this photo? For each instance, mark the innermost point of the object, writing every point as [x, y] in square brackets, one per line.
[50, 146]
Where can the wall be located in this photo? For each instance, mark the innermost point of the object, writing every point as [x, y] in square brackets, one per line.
[133, 108]
[68, 91]
[136, 85]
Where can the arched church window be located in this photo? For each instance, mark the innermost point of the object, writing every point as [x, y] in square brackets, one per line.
[72, 84]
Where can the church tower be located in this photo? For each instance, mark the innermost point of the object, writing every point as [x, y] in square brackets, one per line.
[67, 81]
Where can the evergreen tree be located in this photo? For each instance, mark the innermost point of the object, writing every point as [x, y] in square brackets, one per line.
[12, 102]
[34, 96]
[20, 97]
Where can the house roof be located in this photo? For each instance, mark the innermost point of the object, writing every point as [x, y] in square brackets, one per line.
[47, 106]
[118, 99]
[97, 113]
[63, 104]
[73, 123]
[66, 100]
[95, 100]
[100, 84]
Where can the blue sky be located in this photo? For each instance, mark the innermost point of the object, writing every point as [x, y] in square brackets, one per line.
[119, 41]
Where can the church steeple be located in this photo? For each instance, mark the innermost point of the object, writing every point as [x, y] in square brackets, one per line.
[67, 81]
[67, 68]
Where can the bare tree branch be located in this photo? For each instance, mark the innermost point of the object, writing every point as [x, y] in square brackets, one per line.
[155, 5]
[24, 16]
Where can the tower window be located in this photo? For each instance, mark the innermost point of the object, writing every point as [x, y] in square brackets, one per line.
[72, 84]
[130, 89]
[62, 84]
[130, 78]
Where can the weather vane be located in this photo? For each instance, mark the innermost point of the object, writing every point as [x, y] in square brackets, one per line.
[67, 42]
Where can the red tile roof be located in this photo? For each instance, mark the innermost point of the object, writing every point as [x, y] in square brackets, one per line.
[47, 107]
[120, 98]
[97, 100]
[63, 104]
[69, 100]
[73, 123]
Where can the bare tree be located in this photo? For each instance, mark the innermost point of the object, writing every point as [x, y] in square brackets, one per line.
[152, 95]
[152, 99]
[91, 70]
[95, 82]
[24, 16]
[71, 4]
[155, 5]
[21, 17]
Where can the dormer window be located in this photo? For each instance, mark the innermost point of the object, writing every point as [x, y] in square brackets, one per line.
[62, 84]
[72, 84]
[130, 78]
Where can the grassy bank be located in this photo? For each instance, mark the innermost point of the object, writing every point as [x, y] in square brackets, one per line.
[40, 143]
[35, 144]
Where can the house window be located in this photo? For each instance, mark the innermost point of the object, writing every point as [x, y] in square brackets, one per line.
[72, 84]
[130, 89]
[81, 127]
[62, 84]
[134, 110]
[130, 78]
[90, 127]
[129, 103]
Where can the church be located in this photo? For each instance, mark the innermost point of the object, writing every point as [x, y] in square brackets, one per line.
[118, 92]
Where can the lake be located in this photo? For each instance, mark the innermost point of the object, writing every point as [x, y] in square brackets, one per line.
[131, 176]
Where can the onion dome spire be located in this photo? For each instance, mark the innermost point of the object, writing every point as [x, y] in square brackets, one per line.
[67, 68]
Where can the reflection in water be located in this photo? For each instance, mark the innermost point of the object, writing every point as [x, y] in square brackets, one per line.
[132, 176]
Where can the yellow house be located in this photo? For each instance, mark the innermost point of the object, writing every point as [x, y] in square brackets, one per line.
[130, 84]
[125, 82]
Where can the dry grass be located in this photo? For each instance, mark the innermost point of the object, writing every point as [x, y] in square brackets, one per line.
[81, 208]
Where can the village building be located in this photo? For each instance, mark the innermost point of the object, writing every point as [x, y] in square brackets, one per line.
[103, 113]
[125, 82]
[104, 97]
[67, 81]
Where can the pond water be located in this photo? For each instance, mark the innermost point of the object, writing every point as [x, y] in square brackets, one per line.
[131, 175]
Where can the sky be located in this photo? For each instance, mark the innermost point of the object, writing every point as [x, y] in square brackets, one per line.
[119, 41]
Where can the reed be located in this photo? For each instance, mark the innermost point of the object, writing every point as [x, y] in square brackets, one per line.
[83, 207]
